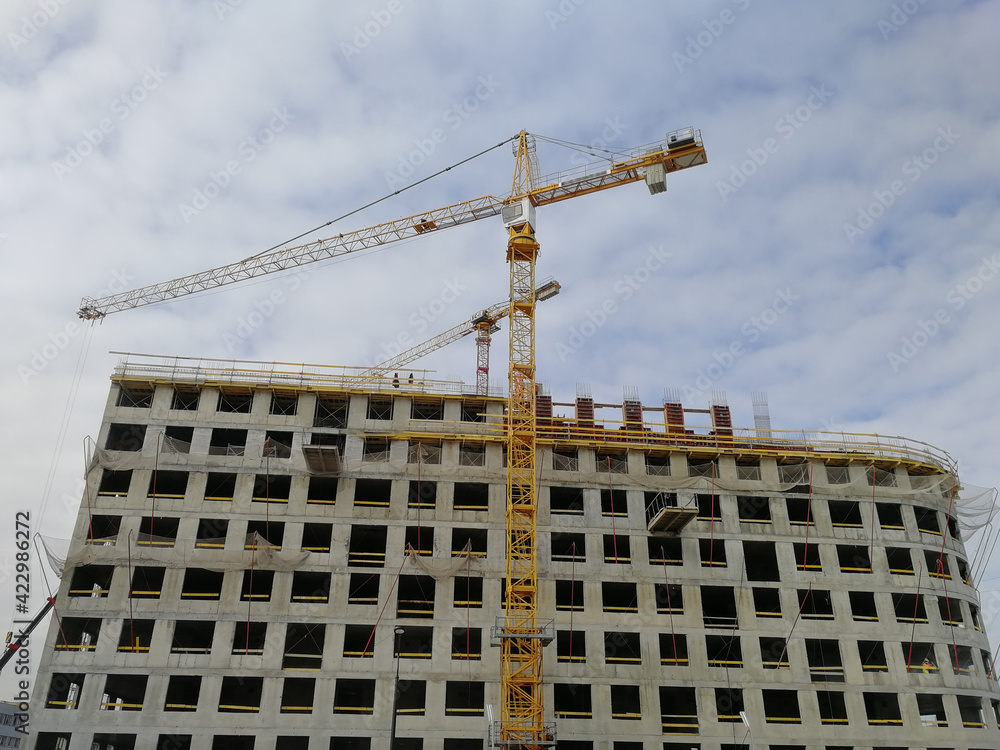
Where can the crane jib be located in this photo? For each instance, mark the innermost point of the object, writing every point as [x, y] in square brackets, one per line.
[680, 150]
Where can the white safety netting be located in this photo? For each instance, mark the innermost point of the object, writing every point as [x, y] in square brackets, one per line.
[166, 552]
[440, 569]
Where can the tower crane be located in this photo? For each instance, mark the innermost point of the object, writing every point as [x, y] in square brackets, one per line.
[518, 631]
[484, 324]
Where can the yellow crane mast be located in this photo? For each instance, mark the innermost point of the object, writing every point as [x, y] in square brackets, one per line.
[519, 632]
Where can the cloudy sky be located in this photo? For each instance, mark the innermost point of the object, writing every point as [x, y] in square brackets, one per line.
[838, 252]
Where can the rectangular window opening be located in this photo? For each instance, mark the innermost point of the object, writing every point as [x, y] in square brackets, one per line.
[330, 412]
[235, 402]
[367, 546]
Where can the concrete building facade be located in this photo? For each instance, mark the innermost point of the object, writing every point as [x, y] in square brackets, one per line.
[262, 550]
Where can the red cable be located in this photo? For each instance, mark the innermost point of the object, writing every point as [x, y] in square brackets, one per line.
[572, 603]
[131, 622]
[381, 611]
[611, 491]
[670, 608]
[711, 529]
[871, 547]
[916, 604]
[253, 556]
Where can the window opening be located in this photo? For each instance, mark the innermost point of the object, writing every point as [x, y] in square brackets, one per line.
[781, 707]
[774, 653]
[872, 655]
[718, 605]
[767, 602]
[182, 693]
[625, 703]
[724, 651]
[890, 516]
[309, 587]
[284, 404]
[415, 597]
[472, 454]
[845, 514]
[665, 550]
[211, 533]
[205, 585]
[125, 437]
[114, 483]
[863, 606]
[753, 508]
[471, 496]
[220, 486]
[249, 638]
[566, 500]
[815, 604]
[572, 701]
[297, 697]
[192, 637]
[761, 561]
[565, 460]
[330, 412]
[464, 698]
[257, 585]
[363, 589]
[569, 595]
[367, 546]
[380, 407]
[240, 695]
[619, 597]
[571, 646]
[678, 710]
[134, 397]
[422, 494]
[303, 647]
[147, 582]
[467, 643]
[185, 400]
[91, 580]
[227, 442]
[673, 649]
[234, 402]
[316, 537]
[657, 465]
[373, 492]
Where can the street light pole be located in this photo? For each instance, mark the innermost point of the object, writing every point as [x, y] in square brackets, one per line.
[395, 694]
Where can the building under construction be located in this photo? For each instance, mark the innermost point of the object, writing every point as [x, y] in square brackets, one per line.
[291, 558]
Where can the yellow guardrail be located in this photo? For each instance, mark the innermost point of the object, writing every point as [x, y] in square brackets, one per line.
[145, 369]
